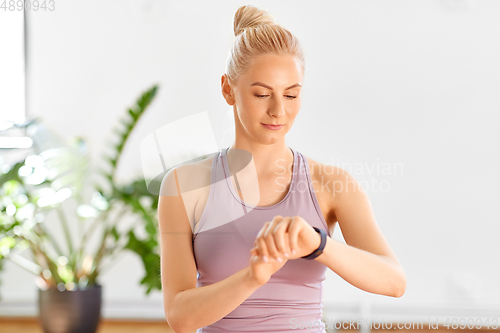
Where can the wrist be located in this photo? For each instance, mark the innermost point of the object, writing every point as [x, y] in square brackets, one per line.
[320, 247]
[324, 258]
[251, 280]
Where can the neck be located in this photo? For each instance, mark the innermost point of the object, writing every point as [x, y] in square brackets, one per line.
[268, 159]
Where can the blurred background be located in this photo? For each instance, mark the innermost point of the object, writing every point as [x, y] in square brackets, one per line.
[402, 94]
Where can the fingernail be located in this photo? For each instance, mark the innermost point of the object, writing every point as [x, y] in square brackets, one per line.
[293, 251]
[287, 255]
[264, 258]
[279, 259]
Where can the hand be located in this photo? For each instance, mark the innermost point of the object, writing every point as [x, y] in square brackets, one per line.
[261, 271]
[277, 239]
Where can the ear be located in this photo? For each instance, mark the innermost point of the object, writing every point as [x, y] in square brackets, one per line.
[227, 91]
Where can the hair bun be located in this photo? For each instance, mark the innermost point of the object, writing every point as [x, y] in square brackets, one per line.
[250, 16]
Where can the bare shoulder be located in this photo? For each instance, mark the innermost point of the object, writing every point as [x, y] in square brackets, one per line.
[192, 181]
[346, 202]
[187, 177]
[204, 169]
[327, 182]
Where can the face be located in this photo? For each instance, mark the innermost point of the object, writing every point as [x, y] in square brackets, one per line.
[269, 93]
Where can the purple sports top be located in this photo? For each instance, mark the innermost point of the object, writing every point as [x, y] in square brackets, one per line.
[222, 240]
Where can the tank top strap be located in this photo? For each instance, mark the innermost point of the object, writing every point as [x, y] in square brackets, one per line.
[306, 194]
[292, 189]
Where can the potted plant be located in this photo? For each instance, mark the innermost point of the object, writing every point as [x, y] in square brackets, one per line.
[45, 181]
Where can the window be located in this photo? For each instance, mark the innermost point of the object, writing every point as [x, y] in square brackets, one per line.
[12, 73]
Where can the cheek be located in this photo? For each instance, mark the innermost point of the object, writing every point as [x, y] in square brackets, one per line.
[251, 108]
[244, 103]
[248, 114]
[253, 104]
[293, 110]
[298, 102]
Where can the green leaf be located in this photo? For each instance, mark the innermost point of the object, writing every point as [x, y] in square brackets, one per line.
[119, 147]
[115, 234]
[111, 160]
[126, 123]
[133, 114]
[12, 174]
[150, 259]
[103, 172]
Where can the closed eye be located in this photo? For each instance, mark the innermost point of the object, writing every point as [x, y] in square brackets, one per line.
[288, 96]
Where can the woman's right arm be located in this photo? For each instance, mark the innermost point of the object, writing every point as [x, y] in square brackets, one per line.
[186, 307]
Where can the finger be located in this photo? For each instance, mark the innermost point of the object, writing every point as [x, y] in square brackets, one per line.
[263, 250]
[281, 236]
[269, 237]
[255, 258]
[261, 231]
[293, 232]
[262, 247]
[257, 244]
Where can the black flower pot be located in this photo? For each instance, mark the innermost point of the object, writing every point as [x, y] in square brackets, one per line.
[75, 311]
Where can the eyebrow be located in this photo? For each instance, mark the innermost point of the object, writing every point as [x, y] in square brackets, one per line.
[268, 87]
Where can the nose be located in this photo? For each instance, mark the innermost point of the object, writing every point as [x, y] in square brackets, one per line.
[277, 109]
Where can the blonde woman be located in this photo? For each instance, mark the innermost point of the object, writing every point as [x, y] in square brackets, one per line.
[230, 265]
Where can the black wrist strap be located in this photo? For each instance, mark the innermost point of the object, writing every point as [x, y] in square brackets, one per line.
[321, 247]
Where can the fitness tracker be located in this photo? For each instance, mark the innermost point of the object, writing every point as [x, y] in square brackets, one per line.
[322, 245]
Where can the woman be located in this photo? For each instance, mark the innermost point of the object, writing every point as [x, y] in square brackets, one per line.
[261, 265]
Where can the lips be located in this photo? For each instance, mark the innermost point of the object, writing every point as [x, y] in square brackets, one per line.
[272, 127]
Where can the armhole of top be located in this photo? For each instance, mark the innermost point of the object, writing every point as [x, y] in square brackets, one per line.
[206, 209]
[314, 197]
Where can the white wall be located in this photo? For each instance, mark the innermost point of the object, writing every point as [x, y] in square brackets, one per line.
[388, 83]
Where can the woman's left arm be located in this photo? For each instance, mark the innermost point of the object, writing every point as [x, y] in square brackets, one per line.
[366, 260]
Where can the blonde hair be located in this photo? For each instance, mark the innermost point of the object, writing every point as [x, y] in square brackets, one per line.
[257, 33]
